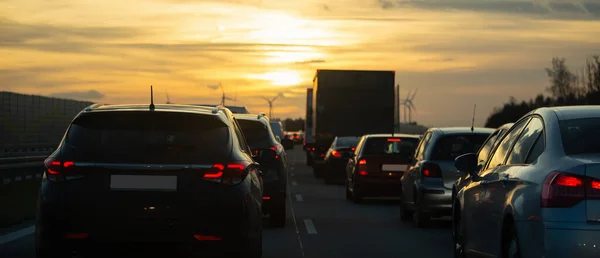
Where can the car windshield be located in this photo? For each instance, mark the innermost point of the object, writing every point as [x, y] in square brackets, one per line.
[345, 142]
[390, 146]
[257, 134]
[580, 136]
[137, 137]
[449, 147]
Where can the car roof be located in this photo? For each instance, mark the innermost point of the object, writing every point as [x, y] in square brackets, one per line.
[574, 112]
[157, 108]
[254, 117]
[402, 135]
[463, 130]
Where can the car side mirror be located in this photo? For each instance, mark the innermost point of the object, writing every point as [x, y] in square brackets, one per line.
[466, 163]
[278, 138]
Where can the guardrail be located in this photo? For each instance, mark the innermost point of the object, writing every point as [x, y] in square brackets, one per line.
[27, 150]
[17, 169]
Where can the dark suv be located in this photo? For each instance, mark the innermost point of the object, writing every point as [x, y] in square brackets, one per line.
[260, 137]
[174, 174]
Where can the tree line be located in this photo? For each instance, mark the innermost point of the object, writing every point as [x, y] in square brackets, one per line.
[566, 88]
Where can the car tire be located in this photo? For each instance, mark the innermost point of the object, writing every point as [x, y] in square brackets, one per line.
[277, 217]
[420, 217]
[356, 196]
[348, 193]
[458, 236]
[405, 214]
[510, 243]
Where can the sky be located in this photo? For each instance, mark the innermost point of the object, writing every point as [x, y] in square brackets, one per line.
[456, 53]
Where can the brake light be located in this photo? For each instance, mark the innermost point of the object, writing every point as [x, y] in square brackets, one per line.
[336, 153]
[55, 168]
[431, 170]
[564, 190]
[362, 167]
[394, 140]
[206, 238]
[76, 235]
[276, 148]
[226, 174]
[353, 148]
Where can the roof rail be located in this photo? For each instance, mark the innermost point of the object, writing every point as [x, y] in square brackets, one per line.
[93, 106]
[217, 108]
[261, 114]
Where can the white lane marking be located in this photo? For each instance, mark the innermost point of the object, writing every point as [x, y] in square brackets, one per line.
[292, 174]
[310, 227]
[289, 196]
[299, 198]
[16, 235]
[294, 183]
[292, 168]
[6, 181]
[18, 179]
[38, 175]
[28, 177]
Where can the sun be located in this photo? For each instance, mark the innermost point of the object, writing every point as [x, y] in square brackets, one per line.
[280, 78]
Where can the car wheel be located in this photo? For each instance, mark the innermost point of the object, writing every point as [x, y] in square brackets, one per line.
[356, 196]
[458, 235]
[277, 217]
[510, 245]
[348, 193]
[420, 217]
[405, 214]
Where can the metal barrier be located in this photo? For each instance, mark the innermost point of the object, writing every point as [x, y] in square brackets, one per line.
[27, 150]
[17, 169]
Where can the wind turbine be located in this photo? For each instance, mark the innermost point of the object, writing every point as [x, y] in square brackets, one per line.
[409, 107]
[271, 104]
[168, 100]
[223, 96]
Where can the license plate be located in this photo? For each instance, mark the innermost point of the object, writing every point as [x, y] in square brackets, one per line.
[393, 167]
[137, 182]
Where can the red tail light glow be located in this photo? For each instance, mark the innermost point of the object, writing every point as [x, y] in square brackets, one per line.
[76, 235]
[564, 190]
[266, 197]
[55, 168]
[363, 173]
[431, 170]
[362, 162]
[394, 140]
[206, 238]
[226, 174]
[362, 167]
[276, 148]
[336, 153]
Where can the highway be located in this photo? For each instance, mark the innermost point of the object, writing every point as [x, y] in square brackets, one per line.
[321, 223]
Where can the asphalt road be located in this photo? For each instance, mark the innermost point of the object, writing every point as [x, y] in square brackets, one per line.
[321, 223]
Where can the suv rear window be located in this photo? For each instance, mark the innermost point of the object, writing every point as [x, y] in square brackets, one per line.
[257, 134]
[383, 146]
[276, 129]
[147, 137]
[580, 136]
[346, 142]
[449, 147]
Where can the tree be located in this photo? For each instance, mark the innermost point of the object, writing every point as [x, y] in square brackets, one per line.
[563, 83]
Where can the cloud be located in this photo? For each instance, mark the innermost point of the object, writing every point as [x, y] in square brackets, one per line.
[314, 61]
[79, 95]
[576, 9]
[18, 33]
[213, 87]
[448, 59]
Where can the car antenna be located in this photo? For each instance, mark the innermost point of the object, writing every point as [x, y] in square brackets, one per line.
[151, 99]
[473, 121]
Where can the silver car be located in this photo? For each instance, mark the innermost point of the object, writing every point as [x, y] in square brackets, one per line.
[538, 194]
[427, 185]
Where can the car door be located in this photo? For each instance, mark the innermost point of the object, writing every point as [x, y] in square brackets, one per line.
[412, 172]
[509, 179]
[478, 204]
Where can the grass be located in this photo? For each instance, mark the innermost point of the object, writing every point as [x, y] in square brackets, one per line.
[18, 201]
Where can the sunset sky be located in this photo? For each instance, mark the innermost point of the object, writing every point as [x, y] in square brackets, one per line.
[456, 52]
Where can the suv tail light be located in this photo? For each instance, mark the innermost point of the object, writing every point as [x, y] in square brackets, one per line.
[336, 153]
[229, 174]
[564, 190]
[431, 170]
[55, 168]
[362, 167]
[276, 148]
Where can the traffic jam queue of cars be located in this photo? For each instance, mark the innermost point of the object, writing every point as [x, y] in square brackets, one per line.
[526, 189]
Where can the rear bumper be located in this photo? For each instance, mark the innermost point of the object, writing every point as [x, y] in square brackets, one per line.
[227, 214]
[378, 187]
[437, 200]
[560, 239]
[335, 168]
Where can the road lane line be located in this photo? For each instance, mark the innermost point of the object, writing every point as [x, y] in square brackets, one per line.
[38, 175]
[292, 168]
[295, 223]
[299, 198]
[6, 181]
[16, 235]
[18, 179]
[310, 227]
[28, 177]
[294, 183]
[293, 174]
